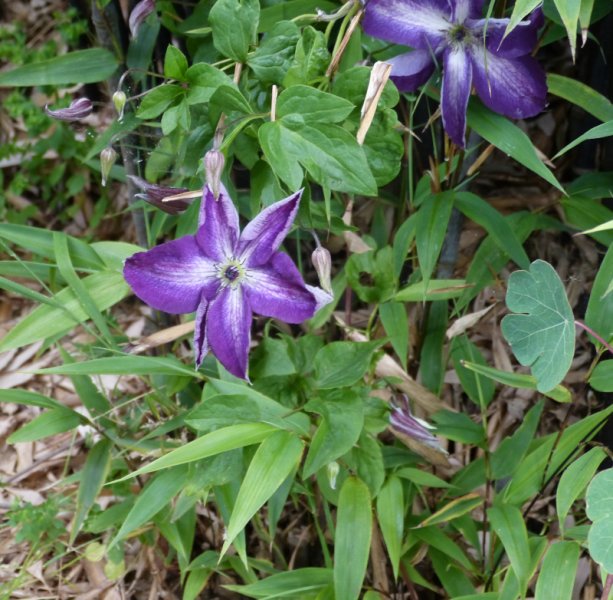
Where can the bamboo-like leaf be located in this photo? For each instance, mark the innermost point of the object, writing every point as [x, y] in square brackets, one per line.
[93, 477]
[352, 540]
[508, 523]
[221, 440]
[154, 497]
[81, 66]
[390, 514]
[277, 456]
[558, 572]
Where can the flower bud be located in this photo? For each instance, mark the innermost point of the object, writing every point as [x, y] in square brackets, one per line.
[214, 162]
[155, 194]
[107, 159]
[332, 470]
[78, 109]
[322, 262]
[403, 421]
[139, 13]
[119, 100]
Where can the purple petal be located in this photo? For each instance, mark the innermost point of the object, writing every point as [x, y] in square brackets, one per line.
[457, 82]
[228, 329]
[172, 276]
[519, 42]
[201, 344]
[402, 420]
[277, 290]
[322, 298]
[515, 87]
[78, 109]
[218, 231]
[263, 236]
[412, 69]
[416, 23]
[139, 13]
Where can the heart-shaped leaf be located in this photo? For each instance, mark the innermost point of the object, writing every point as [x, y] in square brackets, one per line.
[543, 337]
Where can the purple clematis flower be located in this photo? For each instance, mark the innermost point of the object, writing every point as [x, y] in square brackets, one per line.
[472, 51]
[226, 276]
[155, 194]
[139, 13]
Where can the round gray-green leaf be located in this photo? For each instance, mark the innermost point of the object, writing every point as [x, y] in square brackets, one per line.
[542, 332]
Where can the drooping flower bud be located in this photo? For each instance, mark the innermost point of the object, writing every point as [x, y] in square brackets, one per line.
[107, 159]
[322, 261]
[139, 13]
[78, 109]
[403, 421]
[332, 470]
[155, 194]
[119, 100]
[214, 162]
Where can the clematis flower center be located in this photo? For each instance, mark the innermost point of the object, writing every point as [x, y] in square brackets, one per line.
[231, 273]
[458, 34]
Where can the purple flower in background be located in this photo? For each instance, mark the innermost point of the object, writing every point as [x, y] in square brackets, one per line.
[155, 194]
[226, 276]
[403, 421]
[139, 13]
[472, 51]
[78, 109]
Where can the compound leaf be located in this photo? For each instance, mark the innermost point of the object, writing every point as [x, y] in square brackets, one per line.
[543, 337]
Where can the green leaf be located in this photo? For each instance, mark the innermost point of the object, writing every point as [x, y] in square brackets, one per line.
[28, 398]
[272, 59]
[507, 457]
[509, 138]
[478, 388]
[216, 442]
[313, 105]
[341, 364]
[229, 98]
[158, 492]
[558, 572]
[328, 152]
[436, 289]
[51, 422]
[569, 12]
[458, 426]
[390, 514]
[454, 509]
[352, 539]
[370, 274]
[40, 241]
[234, 24]
[552, 452]
[432, 220]
[81, 66]
[422, 478]
[93, 477]
[602, 376]
[203, 80]
[175, 63]
[340, 427]
[157, 100]
[518, 380]
[599, 497]
[310, 60]
[484, 214]
[599, 508]
[66, 268]
[300, 583]
[127, 364]
[277, 456]
[521, 9]
[575, 479]
[396, 324]
[544, 337]
[509, 525]
[600, 131]
[573, 90]
[599, 313]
